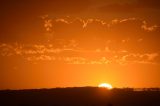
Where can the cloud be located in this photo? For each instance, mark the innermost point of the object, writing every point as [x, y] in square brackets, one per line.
[48, 25]
[152, 56]
[132, 58]
[150, 28]
[19, 19]
[69, 19]
[65, 23]
[71, 55]
[47, 28]
[93, 33]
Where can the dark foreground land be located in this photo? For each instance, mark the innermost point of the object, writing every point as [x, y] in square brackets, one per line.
[85, 96]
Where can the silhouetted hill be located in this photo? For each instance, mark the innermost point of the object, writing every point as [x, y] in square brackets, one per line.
[82, 96]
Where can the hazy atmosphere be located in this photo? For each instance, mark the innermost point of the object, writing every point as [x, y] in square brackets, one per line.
[75, 43]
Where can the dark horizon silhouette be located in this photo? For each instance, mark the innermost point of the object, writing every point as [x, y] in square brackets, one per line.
[80, 96]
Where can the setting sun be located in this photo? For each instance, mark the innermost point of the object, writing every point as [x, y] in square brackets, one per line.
[105, 85]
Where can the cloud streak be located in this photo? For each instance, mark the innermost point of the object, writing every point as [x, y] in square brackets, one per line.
[37, 53]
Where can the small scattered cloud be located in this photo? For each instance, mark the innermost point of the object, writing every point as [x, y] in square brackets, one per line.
[71, 55]
[48, 25]
[132, 58]
[149, 28]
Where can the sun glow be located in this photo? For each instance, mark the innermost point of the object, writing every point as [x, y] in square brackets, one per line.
[105, 85]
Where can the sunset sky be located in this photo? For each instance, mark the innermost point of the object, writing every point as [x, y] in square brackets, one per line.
[74, 43]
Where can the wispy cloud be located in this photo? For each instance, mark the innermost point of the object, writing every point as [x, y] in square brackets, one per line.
[36, 53]
[149, 28]
[49, 22]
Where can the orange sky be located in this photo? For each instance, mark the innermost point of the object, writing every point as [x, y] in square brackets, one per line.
[67, 43]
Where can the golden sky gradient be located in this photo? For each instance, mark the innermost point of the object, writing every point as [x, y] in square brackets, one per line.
[68, 43]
